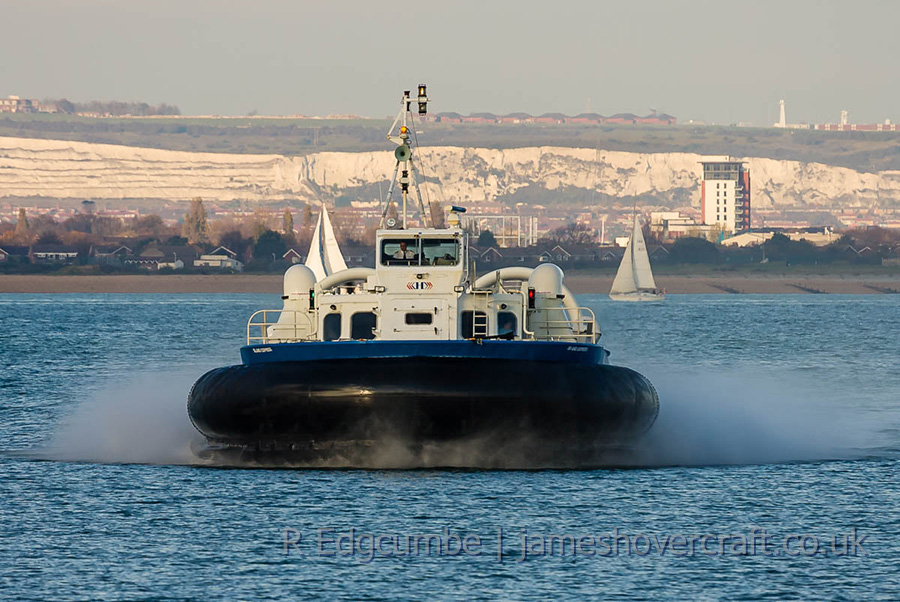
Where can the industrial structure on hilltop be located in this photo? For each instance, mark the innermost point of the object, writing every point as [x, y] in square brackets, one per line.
[843, 126]
[654, 118]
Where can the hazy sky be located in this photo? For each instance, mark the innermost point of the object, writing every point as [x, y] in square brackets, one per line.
[717, 61]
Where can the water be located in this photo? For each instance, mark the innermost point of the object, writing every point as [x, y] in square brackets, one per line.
[779, 413]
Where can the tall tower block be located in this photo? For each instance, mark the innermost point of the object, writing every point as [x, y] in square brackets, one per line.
[725, 194]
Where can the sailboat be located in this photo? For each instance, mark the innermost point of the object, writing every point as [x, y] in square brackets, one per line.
[634, 280]
[324, 257]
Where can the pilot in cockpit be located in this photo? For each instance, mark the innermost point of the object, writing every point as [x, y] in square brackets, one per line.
[404, 253]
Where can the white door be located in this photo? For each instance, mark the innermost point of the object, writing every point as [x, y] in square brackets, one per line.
[416, 318]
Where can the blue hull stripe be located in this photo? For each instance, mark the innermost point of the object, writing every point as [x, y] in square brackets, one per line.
[542, 351]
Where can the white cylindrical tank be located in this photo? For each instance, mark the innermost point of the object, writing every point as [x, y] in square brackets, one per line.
[295, 322]
[547, 278]
[298, 279]
[550, 317]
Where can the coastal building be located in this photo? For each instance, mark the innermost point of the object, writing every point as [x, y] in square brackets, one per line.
[819, 237]
[589, 118]
[887, 126]
[668, 225]
[54, 253]
[19, 253]
[517, 118]
[14, 104]
[846, 126]
[621, 118]
[222, 258]
[157, 257]
[654, 118]
[293, 256]
[110, 254]
[725, 194]
[449, 117]
[480, 118]
[551, 118]
[747, 239]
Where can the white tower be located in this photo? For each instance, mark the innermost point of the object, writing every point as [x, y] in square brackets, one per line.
[844, 117]
[782, 122]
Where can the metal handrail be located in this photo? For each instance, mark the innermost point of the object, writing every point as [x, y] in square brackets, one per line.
[583, 327]
[309, 333]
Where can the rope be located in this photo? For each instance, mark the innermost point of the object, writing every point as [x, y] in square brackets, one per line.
[422, 161]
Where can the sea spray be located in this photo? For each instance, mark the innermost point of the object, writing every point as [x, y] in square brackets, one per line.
[728, 417]
[734, 417]
[139, 420]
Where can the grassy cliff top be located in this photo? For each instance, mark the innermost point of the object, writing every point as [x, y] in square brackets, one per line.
[864, 151]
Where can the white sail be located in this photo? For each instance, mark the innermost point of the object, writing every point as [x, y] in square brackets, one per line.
[334, 259]
[624, 282]
[324, 257]
[634, 280]
[315, 259]
[640, 260]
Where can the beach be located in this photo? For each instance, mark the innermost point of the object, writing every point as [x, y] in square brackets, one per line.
[752, 284]
[853, 284]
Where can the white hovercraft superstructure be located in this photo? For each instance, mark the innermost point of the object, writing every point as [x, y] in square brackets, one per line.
[418, 348]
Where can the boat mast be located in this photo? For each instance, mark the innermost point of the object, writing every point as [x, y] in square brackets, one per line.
[403, 154]
[631, 247]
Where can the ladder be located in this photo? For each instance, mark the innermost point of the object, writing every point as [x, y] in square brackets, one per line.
[480, 313]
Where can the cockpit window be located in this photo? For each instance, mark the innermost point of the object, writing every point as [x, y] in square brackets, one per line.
[440, 251]
[400, 252]
[426, 251]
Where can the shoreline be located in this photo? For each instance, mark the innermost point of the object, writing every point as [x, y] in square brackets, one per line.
[579, 284]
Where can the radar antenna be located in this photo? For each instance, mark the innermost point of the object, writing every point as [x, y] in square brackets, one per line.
[403, 154]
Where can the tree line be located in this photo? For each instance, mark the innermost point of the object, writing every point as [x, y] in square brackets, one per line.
[855, 245]
[259, 240]
[112, 107]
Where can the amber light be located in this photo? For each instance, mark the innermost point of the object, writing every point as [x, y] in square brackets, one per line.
[422, 100]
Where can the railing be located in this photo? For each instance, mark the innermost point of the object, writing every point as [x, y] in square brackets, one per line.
[581, 328]
[577, 325]
[294, 330]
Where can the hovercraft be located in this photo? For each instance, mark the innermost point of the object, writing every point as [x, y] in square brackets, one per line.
[419, 355]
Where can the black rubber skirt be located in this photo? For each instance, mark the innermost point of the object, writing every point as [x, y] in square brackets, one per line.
[420, 401]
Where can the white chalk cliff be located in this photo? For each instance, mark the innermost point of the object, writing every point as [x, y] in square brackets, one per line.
[62, 169]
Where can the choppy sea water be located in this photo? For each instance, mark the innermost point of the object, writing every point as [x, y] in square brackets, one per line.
[770, 474]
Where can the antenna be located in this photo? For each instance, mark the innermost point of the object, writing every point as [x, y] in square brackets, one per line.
[403, 154]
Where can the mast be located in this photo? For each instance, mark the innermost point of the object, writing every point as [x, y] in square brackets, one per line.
[403, 154]
[632, 244]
